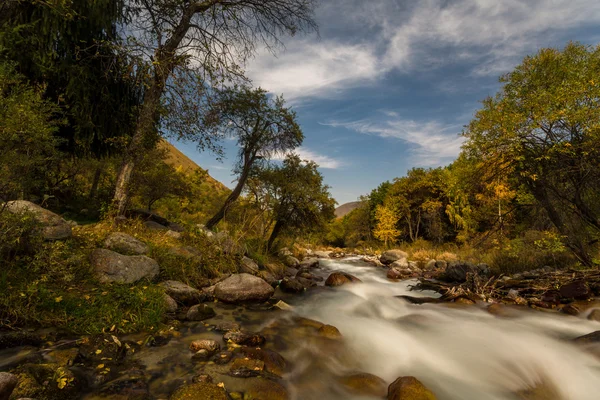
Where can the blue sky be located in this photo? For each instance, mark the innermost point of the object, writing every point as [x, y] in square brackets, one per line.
[387, 85]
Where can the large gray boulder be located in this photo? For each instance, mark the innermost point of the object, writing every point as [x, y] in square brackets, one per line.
[243, 288]
[183, 293]
[54, 227]
[125, 244]
[114, 267]
[388, 257]
[8, 382]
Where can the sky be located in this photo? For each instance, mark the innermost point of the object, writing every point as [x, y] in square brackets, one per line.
[388, 85]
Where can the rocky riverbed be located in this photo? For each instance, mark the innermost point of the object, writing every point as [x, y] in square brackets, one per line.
[332, 329]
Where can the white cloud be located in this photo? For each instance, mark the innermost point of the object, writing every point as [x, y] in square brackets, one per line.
[322, 160]
[431, 142]
[362, 41]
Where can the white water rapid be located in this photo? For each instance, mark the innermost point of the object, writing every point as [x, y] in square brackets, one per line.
[460, 353]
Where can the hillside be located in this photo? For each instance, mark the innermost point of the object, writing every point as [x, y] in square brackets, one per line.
[346, 208]
[177, 159]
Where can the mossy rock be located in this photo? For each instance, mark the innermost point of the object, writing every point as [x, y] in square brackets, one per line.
[46, 381]
[265, 389]
[364, 384]
[200, 391]
[409, 388]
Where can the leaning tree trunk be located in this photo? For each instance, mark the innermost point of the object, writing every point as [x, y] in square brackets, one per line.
[276, 231]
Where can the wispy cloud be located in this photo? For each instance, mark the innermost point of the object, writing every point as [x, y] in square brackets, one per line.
[430, 142]
[489, 36]
[324, 161]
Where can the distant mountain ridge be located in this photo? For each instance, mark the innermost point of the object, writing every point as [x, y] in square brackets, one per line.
[346, 208]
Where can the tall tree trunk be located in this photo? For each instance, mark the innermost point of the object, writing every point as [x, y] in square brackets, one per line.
[233, 196]
[96, 181]
[276, 231]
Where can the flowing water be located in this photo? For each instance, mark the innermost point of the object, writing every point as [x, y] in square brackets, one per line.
[459, 352]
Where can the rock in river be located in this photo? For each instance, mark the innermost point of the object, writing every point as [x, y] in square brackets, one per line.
[364, 384]
[388, 257]
[114, 267]
[409, 388]
[243, 288]
[200, 391]
[183, 293]
[340, 278]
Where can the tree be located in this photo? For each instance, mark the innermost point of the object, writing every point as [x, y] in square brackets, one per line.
[543, 129]
[263, 127]
[204, 40]
[300, 201]
[386, 224]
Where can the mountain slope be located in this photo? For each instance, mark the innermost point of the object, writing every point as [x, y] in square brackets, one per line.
[346, 208]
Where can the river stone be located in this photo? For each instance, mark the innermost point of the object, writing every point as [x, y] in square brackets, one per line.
[200, 312]
[244, 338]
[309, 263]
[243, 288]
[265, 389]
[273, 361]
[593, 337]
[8, 382]
[212, 346]
[340, 278]
[291, 261]
[114, 267]
[54, 227]
[322, 254]
[291, 285]
[457, 271]
[578, 290]
[364, 384]
[125, 244]
[409, 388]
[200, 391]
[329, 332]
[394, 273]
[247, 363]
[249, 266]
[594, 315]
[388, 257]
[183, 293]
[403, 263]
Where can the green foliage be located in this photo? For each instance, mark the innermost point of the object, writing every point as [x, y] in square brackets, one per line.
[20, 235]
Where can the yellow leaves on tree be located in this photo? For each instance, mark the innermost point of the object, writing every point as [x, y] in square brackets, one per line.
[385, 229]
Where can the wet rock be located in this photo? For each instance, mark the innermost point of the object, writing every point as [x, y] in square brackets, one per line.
[212, 346]
[200, 312]
[223, 357]
[364, 384]
[8, 382]
[249, 266]
[571, 309]
[594, 315]
[200, 391]
[268, 277]
[202, 378]
[578, 290]
[244, 338]
[291, 285]
[183, 293]
[464, 300]
[264, 389]
[290, 272]
[390, 256]
[125, 244]
[111, 267]
[419, 300]
[247, 364]
[291, 261]
[170, 304]
[543, 391]
[329, 331]
[340, 278]
[409, 388]
[593, 337]
[499, 310]
[309, 263]
[243, 288]
[40, 381]
[132, 385]
[394, 273]
[551, 297]
[63, 357]
[54, 227]
[273, 361]
[227, 326]
[155, 226]
[457, 271]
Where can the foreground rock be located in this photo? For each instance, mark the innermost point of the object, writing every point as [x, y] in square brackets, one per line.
[390, 256]
[291, 285]
[578, 290]
[364, 384]
[54, 227]
[200, 312]
[114, 267]
[200, 391]
[183, 293]
[593, 337]
[125, 244]
[409, 388]
[340, 278]
[8, 382]
[241, 288]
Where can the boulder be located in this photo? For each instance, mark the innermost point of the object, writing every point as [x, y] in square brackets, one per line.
[578, 290]
[200, 391]
[265, 389]
[291, 285]
[114, 267]
[403, 263]
[200, 312]
[409, 388]
[340, 278]
[243, 288]
[457, 271]
[244, 338]
[183, 293]
[125, 244]
[291, 261]
[268, 277]
[54, 227]
[388, 257]
[322, 254]
[8, 382]
[170, 304]
[155, 226]
[273, 361]
[291, 272]
[309, 263]
[593, 337]
[594, 315]
[329, 332]
[249, 266]
[364, 384]
[394, 273]
[212, 346]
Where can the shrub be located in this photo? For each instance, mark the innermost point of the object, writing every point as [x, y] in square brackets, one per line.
[20, 235]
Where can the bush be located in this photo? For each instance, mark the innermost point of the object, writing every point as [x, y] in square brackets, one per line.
[20, 235]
